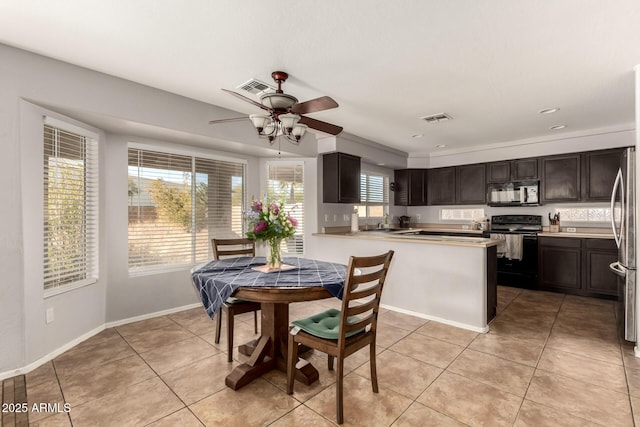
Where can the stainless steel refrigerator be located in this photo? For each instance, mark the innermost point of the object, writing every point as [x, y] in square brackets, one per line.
[623, 222]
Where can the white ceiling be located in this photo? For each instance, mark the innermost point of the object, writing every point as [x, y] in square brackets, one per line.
[490, 64]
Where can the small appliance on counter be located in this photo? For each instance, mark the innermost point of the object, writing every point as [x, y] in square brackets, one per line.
[404, 221]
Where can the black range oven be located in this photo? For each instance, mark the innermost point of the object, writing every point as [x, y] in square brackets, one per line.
[518, 263]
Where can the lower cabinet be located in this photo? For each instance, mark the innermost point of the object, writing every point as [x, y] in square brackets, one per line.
[577, 266]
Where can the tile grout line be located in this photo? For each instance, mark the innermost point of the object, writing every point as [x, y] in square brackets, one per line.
[163, 381]
[64, 399]
[544, 347]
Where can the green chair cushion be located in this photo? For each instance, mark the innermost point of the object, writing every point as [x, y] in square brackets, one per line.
[325, 324]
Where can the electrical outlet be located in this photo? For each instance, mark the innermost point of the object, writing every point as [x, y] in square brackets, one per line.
[345, 217]
[335, 217]
[326, 217]
[571, 229]
[49, 315]
[465, 227]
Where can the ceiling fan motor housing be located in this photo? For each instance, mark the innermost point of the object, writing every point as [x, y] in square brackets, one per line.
[281, 102]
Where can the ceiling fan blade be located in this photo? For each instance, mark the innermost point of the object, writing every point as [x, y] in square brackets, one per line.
[244, 98]
[313, 105]
[236, 119]
[320, 125]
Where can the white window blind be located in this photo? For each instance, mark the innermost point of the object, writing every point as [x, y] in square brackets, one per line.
[177, 204]
[285, 183]
[374, 195]
[70, 208]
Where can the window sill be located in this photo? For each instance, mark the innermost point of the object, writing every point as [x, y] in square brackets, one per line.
[161, 269]
[48, 293]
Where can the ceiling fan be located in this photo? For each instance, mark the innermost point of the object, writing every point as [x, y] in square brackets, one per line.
[285, 114]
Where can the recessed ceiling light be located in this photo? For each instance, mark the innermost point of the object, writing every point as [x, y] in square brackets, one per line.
[380, 164]
[440, 146]
[557, 127]
[549, 110]
[417, 135]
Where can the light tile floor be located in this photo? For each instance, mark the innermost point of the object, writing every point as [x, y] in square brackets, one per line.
[549, 359]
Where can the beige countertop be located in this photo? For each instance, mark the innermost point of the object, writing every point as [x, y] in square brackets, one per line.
[580, 235]
[406, 236]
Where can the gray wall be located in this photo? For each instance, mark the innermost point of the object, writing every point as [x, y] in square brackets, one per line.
[96, 99]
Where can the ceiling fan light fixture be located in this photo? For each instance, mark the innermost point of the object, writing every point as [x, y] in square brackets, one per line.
[259, 121]
[278, 101]
[289, 121]
[270, 129]
[299, 131]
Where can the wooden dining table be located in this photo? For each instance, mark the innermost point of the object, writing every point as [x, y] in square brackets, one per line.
[307, 280]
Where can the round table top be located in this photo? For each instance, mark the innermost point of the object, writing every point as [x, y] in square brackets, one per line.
[308, 280]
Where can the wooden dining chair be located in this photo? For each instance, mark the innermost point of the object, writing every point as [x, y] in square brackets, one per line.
[234, 306]
[340, 333]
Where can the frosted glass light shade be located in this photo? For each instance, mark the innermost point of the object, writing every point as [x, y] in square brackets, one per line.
[289, 120]
[299, 131]
[259, 121]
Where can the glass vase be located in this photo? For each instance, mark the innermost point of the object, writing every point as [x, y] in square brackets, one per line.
[274, 257]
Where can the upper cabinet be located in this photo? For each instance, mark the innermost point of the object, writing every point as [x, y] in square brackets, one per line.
[410, 187]
[441, 186]
[600, 169]
[512, 170]
[560, 178]
[586, 177]
[574, 177]
[471, 185]
[340, 178]
[456, 185]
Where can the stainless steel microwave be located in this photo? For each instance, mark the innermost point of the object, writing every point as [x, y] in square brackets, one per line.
[525, 193]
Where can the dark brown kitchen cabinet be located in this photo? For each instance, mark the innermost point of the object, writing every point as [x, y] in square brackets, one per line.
[499, 172]
[577, 266]
[441, 186]
[470, 185]
[512, 170]
[560, 178]
[524, 169]
[340, 178]
[599, 280]
[560, 264]
[410, 187]
[600, 169]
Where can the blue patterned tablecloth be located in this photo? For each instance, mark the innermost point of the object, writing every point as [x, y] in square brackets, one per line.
[217, 280]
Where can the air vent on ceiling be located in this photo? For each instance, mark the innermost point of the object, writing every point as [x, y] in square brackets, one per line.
[437, 118]
[256, 87]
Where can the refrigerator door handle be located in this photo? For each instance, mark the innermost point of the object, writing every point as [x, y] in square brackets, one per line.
[617, 269]
[616, 184]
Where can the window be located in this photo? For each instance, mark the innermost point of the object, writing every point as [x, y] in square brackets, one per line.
[461, 214]
[285, 183]
[587, 214]
[70, 206]
[177, 204]
[374, 195]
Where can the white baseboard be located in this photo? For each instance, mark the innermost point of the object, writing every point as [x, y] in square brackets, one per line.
[57, 352]
[47, 357]
[483, 330]
[152, 315]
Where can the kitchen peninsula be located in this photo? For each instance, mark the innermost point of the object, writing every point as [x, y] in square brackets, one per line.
[449, 279]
